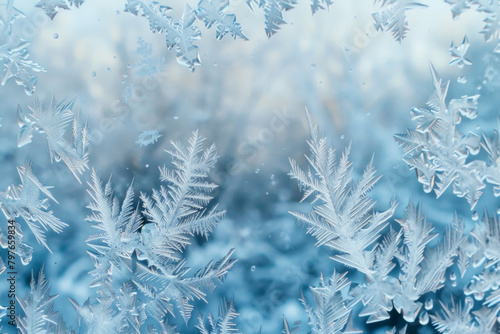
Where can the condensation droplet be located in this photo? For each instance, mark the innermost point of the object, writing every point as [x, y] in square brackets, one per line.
[272, 177]
[429, 304]
[93, 74]
[424, 318]
[453, 276]
[108, 69]
[313, 67]
[257, 171]
[56, 36]
[475, 216]
[342, 137]
[252, 268]
[147, 165]
[176, 117]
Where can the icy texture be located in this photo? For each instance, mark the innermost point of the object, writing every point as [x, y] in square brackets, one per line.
[171, 217]
[14, 55]
[29, 201]
[67, 135]
[441, 154]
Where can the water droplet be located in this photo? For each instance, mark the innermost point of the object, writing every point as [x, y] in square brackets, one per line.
[282, 234]
[215, 64]
[498, 211]
[267, 193]
[252, 268]
[129, 66]
[453, 276]
[176, 117]
[117, 12]
[93, 74]
[125, 75]
[429, 304]
[342, 137]
[147, 165]
[313, 67]
[108, 69]
[479, 295]
[56, 36]
[475, 216]
[257, 171]
[454, 283]
[272, 177]
[424, 318]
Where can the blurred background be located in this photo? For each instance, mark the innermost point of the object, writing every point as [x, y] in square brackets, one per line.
[249, 98]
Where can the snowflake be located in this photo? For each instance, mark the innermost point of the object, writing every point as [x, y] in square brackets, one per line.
[148, 137]
[458, 54]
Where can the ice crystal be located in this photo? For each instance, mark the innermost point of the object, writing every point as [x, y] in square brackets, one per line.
[458, 54]
[148, 137]
[148, 65]
[27, 201]
[437, 149]
[224, 323]
[38, 307]
[214, 12]
[67, 135]
[342, 217]
[171, 217]
[331, 310]
[14, 55]
[179, 36]
[52, 7]
[392, 16]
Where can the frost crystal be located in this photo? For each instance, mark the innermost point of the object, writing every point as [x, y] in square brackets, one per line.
[148, 65]
[458, 54]
[392, 16]
[214, 12]
[26, 200]
[178, 35]
[437, 149]
[171, 216]
[67, 136]
[342, 217]
[224, 323]
[38, 307]
[52, 7]
[148, 137]
[14, 55]
[331, 310]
